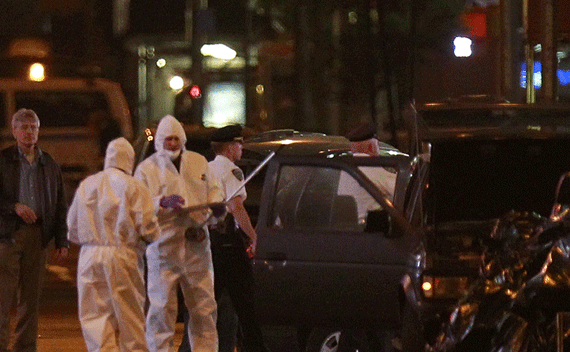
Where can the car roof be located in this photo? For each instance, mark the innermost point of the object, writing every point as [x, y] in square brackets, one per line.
[298, 144]
[257, 145]
[291, 142]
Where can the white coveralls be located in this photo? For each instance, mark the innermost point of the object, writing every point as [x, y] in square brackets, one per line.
[172, 259]
[111, 217]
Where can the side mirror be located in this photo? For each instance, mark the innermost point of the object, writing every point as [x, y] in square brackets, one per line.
[378, 221]
[561, 207]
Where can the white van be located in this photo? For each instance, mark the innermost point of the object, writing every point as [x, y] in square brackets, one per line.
[78, 117]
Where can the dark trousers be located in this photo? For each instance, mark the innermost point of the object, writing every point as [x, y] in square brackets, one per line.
[22, 267]
[233, 276]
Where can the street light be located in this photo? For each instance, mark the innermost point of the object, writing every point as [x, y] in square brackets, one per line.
[462, 47]
[219, 51]
[176, 83]
[37, 72]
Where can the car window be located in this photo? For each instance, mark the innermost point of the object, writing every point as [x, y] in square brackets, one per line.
[310, 197]
[64, 108]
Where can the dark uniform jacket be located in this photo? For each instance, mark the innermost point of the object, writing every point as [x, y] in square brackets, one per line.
[52, 198]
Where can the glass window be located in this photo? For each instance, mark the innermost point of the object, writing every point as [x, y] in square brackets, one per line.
[64, 108]
[321, 198]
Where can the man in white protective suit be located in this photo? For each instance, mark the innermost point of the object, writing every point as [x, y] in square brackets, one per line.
[178, 178]
[112, 217]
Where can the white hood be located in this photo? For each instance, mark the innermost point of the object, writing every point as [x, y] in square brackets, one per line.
[121, 155]
[168, 126]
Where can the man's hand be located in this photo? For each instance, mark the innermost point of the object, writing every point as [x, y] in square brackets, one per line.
[26, 213]
[61, 253]
[172, 201]
[251, 249]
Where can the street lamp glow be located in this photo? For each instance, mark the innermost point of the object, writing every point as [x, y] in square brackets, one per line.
[219, 51]
[176, 83]
[462, 47]
[37, 72]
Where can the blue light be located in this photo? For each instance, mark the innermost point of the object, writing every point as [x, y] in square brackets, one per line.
[563, 76]
[537, 75]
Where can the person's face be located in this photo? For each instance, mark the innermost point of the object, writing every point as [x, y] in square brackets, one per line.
[235, 150]
[26, 133]
[172, 143]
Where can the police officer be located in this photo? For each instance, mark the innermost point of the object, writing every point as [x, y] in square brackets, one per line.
[231, 242]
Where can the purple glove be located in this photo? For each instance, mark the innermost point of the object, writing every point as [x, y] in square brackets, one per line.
[172, 201]
[218, 209]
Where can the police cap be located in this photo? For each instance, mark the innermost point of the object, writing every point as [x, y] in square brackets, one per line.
[227, 134]
[362, 132]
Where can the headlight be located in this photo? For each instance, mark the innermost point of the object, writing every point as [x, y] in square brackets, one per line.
[444, 287]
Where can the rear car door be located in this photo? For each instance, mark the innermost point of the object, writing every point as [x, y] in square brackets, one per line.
[317, 260]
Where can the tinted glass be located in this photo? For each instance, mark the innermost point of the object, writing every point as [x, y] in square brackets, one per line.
[320, 198]
[64, 108]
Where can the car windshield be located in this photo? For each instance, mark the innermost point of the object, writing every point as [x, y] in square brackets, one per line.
[483, 179]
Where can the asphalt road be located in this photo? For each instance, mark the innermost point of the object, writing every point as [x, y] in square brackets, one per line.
[59, 327]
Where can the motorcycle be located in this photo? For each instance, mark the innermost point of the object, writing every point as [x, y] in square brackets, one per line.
[518, 303]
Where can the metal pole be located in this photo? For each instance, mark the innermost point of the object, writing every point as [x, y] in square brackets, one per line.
[248, 39]
[529, 56]
[549, 54]
[506, 49]
[142, 86]
[245, 182]
[198, 39]
[255, 172]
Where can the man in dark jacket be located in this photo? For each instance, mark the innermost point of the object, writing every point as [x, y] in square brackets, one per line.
[32, 212]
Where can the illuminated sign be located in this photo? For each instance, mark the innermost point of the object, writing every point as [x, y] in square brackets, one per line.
[224, 104]
[563, 76]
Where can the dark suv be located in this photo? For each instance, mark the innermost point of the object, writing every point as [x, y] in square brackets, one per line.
[332, 244]
[339, 252]
[479, 161]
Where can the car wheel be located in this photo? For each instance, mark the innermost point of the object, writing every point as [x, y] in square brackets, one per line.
[412, 338]
[323, 340]
[327, 340]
